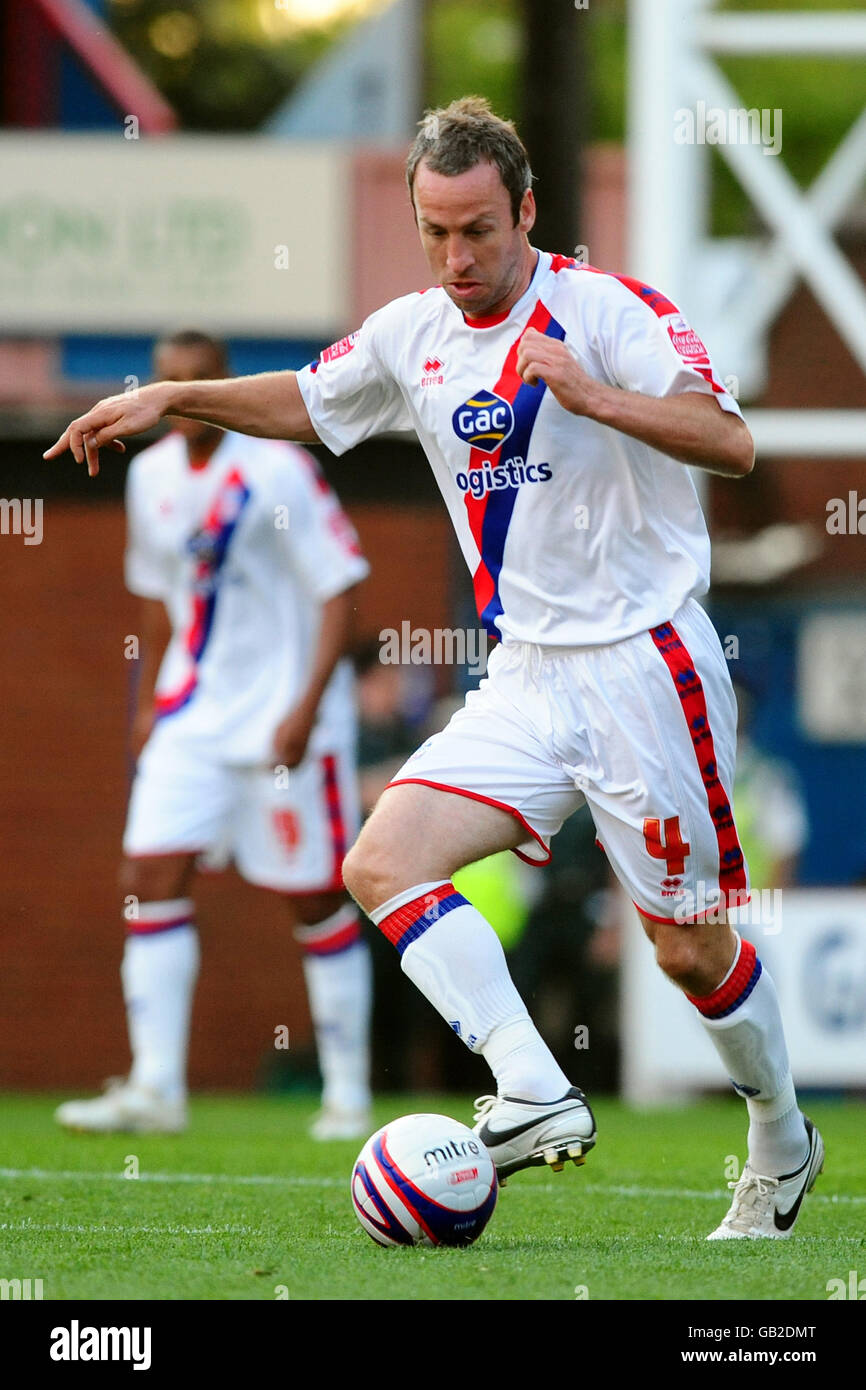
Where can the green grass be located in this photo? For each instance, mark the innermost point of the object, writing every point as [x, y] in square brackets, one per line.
[628, 1225]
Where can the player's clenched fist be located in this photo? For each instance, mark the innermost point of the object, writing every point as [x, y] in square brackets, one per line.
[131, 413]
[540, 358]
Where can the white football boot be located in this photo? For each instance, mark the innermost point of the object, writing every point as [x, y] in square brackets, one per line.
[124, 1108]
[766, 1208]
[526, 1133]
[332, 1123]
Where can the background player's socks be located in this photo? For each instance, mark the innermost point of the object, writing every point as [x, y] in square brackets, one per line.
[159, 970]
[339, 988]
[743, 1020]
[455, 958]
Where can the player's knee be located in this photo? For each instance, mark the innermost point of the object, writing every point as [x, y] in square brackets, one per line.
[678, 956]
[129, 878]
[367, 871]
[155, 879]
[312, 908]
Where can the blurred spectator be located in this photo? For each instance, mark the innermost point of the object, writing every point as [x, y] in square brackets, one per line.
[571, 986]
[769, 809]
[388, 725]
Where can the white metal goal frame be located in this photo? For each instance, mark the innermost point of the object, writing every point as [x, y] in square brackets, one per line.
[735, 287]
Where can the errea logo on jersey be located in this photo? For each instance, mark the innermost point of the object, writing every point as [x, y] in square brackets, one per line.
[485, 421]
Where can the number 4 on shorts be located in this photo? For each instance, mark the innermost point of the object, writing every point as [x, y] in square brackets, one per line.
[674, 849]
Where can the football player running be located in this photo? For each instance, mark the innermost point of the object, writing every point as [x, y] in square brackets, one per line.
[557, 406]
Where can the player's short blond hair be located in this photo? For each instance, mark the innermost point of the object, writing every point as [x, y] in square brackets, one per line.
[455, 138]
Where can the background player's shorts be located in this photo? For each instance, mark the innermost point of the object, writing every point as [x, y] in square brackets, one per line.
[292, 837]
[643, 730]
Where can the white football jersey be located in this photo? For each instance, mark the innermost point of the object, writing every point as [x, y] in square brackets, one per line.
[574, 533]
[243, 552]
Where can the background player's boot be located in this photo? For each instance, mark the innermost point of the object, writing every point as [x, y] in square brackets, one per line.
[332, 1123]
[768, 1207]
[526, 1133]
[124, 1109]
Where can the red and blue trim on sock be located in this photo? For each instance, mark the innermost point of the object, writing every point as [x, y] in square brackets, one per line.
[151, 919]
[409, 922]
[733, 991]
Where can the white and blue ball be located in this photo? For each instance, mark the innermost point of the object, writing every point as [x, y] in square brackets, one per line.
[424, 1180]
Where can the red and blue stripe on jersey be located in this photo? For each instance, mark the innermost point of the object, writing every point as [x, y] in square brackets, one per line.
[490, 516]
[210, 546]
[661, 307]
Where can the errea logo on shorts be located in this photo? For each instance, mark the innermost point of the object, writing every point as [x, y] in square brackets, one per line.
[485, 421]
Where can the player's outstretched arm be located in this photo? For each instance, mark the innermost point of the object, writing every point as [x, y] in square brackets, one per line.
[269, 405]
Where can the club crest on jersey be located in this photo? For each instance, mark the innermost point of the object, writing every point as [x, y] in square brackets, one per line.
[485, 421]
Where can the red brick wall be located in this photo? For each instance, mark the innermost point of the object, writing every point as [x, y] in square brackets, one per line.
[62, 806]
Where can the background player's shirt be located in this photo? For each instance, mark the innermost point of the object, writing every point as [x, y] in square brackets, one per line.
[574, 533]
[243, 553]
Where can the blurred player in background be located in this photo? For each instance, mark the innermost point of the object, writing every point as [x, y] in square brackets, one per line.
[246, 567]
[557, 405]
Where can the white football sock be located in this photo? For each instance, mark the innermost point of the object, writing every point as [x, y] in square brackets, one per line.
[159, 971]
[456, 959]
[743, 1020]
[338, 973]
[778, 1142]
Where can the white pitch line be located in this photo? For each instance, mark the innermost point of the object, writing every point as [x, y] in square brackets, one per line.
[857, 1199]
[304, 1180]
[233, 1179]
[106, 1229]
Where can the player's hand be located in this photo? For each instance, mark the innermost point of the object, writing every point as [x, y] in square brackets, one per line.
[130, 413]
[293, 734]
[540, 358]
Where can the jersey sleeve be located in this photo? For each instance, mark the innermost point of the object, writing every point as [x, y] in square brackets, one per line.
[648, 346]
[350, 393]
[321, 542]
[144, 572]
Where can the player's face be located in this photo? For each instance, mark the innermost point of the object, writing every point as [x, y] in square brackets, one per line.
[189, 364]
[481, 259]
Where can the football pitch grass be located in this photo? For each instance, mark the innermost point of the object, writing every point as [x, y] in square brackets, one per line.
[245, 1206]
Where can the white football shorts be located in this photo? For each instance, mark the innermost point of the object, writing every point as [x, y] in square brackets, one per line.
[287, 831]
[643, 730]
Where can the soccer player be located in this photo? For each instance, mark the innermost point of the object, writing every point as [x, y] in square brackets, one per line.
[246, 568]
[557, 406]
